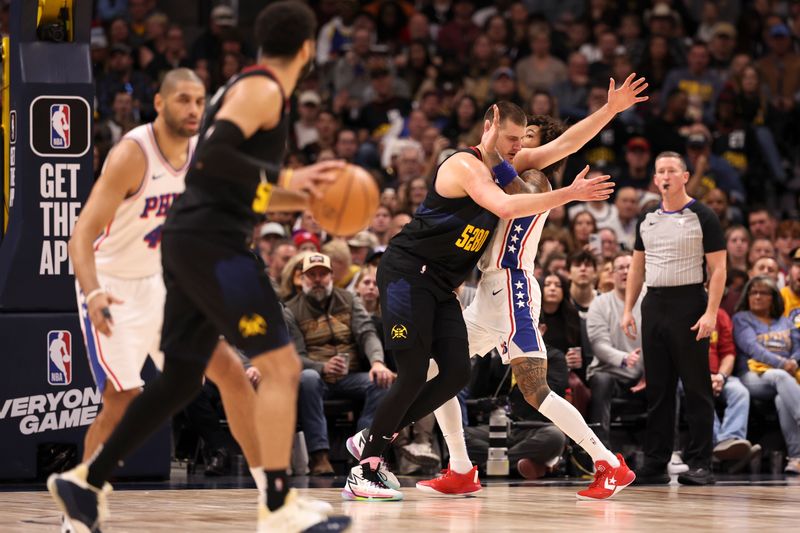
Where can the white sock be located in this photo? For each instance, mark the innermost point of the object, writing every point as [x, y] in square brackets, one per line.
[260, 478]
[448, 415]
[570, 421]
[449, 418]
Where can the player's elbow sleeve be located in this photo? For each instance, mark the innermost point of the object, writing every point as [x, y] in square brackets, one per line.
[219, 154]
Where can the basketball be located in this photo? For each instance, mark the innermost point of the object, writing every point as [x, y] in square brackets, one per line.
[348, 204]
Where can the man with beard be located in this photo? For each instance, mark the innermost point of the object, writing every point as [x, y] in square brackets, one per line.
[336, 329]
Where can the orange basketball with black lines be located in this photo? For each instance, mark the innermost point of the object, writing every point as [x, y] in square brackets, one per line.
[349, 203]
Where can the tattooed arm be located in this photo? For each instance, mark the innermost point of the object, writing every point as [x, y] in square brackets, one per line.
[518, 187]
[531, 376]
[531, 181]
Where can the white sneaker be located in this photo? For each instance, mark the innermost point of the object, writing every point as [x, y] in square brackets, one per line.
[421, 454]
[676, 464]
[358, 487]
[66, 525]
[355, 445]
[84, 506]
[792, 465]
[299, 514]
[317, 506]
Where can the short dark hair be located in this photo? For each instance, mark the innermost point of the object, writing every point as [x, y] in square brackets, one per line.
[550, 129]
[508, 111]
[551, 257]
[582, 257]
[175, 76]
[758, 208]
[282, 27]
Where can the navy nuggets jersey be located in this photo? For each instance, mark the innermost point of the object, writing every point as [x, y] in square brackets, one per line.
[226, 203]
[446, 237]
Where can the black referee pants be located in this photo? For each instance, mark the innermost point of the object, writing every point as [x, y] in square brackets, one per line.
[671, 352]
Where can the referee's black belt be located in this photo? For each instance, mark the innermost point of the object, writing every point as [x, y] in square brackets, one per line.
[677, 291]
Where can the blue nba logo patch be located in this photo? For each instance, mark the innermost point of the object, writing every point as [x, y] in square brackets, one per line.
[59, 357]
[59, 126]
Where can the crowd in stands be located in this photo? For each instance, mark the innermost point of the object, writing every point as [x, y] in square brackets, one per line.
[398, 85]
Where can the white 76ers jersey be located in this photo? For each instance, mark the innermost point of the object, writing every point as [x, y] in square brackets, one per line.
[514, 244]
[129, 246]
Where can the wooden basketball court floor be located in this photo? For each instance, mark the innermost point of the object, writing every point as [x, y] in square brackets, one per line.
[770, 504]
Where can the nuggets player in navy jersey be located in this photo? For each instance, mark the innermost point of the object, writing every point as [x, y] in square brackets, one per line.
[215, 286]
[437, 250]
[505, 315]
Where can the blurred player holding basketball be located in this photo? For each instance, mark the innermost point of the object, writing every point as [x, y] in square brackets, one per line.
[121, 269]
[214, 284]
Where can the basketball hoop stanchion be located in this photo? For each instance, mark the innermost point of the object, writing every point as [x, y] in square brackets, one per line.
[50, 95]
[47, 394]
[6, 125]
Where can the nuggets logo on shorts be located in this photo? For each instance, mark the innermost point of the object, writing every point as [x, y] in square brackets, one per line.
[59, 357]
[399, 331]
[252, 325]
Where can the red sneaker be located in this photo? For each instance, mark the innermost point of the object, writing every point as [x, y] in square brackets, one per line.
[607, 481]
[451, 483]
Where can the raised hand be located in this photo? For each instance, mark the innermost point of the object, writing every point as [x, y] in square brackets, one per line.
[628, 94]
[491, 131]
[591, 189]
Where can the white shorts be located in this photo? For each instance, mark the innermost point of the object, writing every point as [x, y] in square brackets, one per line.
[136, 332]
[505, 315]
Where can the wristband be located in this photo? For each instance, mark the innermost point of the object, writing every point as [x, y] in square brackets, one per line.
[504, 173]
[92, 295]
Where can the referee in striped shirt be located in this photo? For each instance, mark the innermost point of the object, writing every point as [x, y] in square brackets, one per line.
[675, 245]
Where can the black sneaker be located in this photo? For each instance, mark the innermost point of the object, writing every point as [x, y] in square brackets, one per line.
[218, 464]
[696, 476]
[83, 505]
[650, 477]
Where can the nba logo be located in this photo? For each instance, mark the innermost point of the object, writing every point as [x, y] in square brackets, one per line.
[59, 357]
[59, 126]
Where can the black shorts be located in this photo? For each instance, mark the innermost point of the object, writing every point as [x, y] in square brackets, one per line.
[215, 287]
[414, 307]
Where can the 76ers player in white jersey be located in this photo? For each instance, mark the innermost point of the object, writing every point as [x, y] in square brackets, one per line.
[118, 273]
[505, 315]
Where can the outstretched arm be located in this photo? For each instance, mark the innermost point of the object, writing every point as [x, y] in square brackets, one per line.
[575, 137]
[476, 181]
